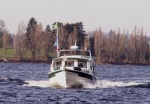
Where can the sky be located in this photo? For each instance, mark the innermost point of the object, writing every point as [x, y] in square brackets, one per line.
[107, 14]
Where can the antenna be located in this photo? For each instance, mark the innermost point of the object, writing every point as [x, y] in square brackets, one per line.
[75, 43]
[74, 47]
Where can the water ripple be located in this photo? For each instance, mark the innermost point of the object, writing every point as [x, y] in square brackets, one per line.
[27, 83]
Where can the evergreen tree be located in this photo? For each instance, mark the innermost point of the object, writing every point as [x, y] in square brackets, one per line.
[48, 42]
[30, 36]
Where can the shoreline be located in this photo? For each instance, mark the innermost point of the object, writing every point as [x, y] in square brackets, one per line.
[48, 62]
[24, 61]
[125, 63]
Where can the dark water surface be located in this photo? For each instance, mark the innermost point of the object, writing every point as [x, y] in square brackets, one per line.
[27, 83]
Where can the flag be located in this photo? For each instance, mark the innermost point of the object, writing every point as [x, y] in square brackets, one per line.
[57, 49]
[56, 26]
[56, 45]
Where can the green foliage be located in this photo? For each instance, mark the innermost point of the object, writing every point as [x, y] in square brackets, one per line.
[31, 24]
[31, 36]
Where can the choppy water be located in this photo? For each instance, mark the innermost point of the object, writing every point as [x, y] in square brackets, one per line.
[27, 83]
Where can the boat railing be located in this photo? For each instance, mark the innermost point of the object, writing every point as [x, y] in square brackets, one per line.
[75, 52]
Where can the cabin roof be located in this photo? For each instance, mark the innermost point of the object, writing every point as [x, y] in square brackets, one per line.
[78, 57]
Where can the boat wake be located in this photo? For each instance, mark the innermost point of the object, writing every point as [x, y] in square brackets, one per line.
[41, 83]
[98, 84]
[110, 84]
[12, 81]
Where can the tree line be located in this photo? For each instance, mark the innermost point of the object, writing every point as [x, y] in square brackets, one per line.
[112, 47]
[117, 47]
[32, 38]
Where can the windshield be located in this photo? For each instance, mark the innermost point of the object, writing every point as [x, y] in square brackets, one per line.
[69, 63]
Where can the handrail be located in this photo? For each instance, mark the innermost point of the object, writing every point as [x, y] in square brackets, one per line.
[75, 50]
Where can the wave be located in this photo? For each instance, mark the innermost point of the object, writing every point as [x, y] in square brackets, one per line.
[145, 85]
[13, 80]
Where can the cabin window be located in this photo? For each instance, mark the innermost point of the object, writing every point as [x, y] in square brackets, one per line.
[82, 64]
[57, 65]
[69, 63]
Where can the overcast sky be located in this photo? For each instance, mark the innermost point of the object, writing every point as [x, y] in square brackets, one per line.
[107, 14]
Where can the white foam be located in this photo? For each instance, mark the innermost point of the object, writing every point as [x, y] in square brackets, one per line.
[109, 84]
[42, 83]
[98, 84]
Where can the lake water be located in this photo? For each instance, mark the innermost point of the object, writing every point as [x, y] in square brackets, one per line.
[27, 83]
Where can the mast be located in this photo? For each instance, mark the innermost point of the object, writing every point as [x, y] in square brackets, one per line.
[57, 44]
[57, 36]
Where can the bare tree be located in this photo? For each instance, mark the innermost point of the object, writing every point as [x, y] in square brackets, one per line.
[98, 44]
[120, 46]
[143, 46]
[112, 45]
[2, 29]
[38, 38]
[2, 26]
[19, 49]
[6, 40]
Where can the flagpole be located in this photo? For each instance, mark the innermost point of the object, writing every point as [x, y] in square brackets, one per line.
[57, 44]
[57, 37]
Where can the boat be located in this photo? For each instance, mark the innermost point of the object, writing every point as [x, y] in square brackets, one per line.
[71, 69]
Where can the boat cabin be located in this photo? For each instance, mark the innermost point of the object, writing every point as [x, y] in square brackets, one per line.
[78, 63]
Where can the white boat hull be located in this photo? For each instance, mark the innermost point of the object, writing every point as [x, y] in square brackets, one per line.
[70, 78]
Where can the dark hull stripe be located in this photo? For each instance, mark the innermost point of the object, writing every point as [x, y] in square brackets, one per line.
[81, 74]
[53, 73]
